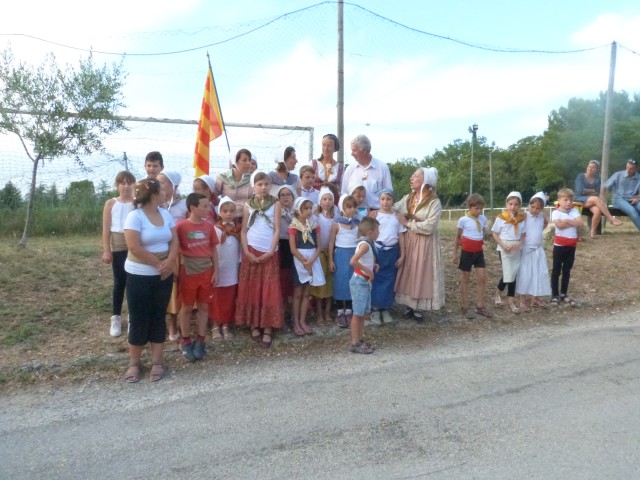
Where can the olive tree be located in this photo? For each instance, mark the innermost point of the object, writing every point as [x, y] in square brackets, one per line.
[58, 112]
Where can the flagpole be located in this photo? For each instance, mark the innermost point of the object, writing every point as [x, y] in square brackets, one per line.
[218, 100]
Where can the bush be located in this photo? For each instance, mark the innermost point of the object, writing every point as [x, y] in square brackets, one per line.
[64, 220]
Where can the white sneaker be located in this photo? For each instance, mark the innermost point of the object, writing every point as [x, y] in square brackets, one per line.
[387, 317]
[116, 326]
[376, 319]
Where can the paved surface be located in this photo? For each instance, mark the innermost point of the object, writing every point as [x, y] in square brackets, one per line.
[560, 401]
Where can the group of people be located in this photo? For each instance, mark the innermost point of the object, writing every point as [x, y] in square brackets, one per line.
[255, 249]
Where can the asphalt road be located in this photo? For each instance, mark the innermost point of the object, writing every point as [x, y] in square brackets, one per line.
[555, 401]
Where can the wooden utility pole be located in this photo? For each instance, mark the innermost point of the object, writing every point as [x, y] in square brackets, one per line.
[606, 144]
[341, 81]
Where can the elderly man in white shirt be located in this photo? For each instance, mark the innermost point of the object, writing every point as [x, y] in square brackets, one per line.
[370, 172]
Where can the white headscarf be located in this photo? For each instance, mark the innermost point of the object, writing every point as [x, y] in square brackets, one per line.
[224, 200]
[288, 187]
[341, 201]
[297, 205]
[542, 197]
[429, 177]
[325, 191]
[516, 195]
[253, 176]
[211, 183]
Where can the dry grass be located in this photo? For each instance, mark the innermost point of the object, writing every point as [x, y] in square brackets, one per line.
[55, 309]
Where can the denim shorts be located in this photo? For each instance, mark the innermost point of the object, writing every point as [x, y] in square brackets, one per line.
[360, 295]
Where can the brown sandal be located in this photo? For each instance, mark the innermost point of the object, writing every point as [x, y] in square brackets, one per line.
[132, 375]
[157, 372]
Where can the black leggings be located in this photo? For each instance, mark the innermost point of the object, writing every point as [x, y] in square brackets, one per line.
[563, 258]
[343, 304]
[511, 286]
[119, 280]
[147, 297]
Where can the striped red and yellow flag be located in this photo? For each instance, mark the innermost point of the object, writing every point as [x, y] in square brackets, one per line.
[210, 126]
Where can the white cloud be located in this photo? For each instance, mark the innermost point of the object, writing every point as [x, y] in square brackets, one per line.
[608, 28]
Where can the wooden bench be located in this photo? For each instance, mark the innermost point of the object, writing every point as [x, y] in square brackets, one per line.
[614, 211]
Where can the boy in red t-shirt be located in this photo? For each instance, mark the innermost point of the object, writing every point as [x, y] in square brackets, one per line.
[198, 272]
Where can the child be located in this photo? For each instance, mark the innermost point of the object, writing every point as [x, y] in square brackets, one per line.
[470, 238]
[286, 196]
[198, 272]
[113, 244]
[325, 214]
[307, 176]
[359, 193]
[364, 266]
[153, 164]
[509, 232]
[391, 249]
[177, 207]
[533, 277]
[207, 186]
[567, 220]
[303, 240]
[342, 246]
[259, 298]
[222, 302]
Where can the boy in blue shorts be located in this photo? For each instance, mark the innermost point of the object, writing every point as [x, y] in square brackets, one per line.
[364, 265]
[470, 237]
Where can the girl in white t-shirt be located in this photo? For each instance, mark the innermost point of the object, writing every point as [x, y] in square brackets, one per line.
[150, 233]
[222, 305]
[509, 232]
[259, 303]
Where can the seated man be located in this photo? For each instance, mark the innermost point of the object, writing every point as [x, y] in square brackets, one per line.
[625, 186]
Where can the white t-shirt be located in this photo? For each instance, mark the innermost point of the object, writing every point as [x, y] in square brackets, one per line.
[374, 177]
[228, 260]
[570, 232]
[368, 259]
[390, 229]
[506, 230]
[154, 239]
[470, 227]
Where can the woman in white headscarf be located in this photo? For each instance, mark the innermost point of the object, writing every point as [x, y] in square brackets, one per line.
[420, 281]
[234, 183]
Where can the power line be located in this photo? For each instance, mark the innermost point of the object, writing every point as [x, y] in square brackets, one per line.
[285, 15]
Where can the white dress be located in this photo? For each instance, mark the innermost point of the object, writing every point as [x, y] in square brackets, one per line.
[533, 277]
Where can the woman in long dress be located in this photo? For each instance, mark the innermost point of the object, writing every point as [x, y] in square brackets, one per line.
[420, 282]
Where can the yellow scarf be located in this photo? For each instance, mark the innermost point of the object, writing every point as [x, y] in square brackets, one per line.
[506, 216]
[305, 229]
[478, 224]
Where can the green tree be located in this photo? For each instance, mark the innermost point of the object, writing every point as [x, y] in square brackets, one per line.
[10, 196]
[80, 193]
[58, 112]
[401, 172]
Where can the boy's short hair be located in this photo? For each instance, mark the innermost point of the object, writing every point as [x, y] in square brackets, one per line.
[367, 224]
[307, 169]
[566, 192]
[193, 200]
[537, 200]
[125, 176]
[154, 157]
[475, 200]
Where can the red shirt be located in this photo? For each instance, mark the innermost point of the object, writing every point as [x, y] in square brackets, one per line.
[196, 239]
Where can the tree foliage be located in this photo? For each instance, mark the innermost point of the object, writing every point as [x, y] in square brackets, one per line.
[58, 112]
[10, 196]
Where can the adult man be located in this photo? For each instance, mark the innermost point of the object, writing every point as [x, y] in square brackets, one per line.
[373, 174]
[625, 186]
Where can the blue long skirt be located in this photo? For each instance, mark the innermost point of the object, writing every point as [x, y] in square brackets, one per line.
[382, 291]
[343, 273]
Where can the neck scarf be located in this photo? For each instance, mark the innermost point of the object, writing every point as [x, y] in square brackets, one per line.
[506, 216]
[287, 213]
[227, 177]
[229, 228]
[328, 168]
[478, 224]
[259, 208]
[305, 229]
[413, 205]
[346, 221]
